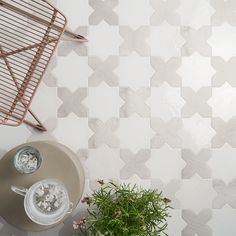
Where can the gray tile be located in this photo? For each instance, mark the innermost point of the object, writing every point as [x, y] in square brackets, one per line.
[225, 132]
[225, 71]
[196, 102]
[134, 41]
[135, 164]
[225, 12]
[196, 164]
[72, 102]
[103, 11]
[166, 133]
[103, 71]
[165, 11]
[49, 79]
[135, 102]
[165, 71]
[196, 41]
[226, 194]
[197, 223]
[103, 133]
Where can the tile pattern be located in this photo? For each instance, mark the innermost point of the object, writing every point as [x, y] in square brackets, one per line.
[149, 99]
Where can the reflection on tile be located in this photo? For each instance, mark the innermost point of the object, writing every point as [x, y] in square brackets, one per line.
[166, 133]
[196, 102]
[196, 71]
[103, 10]
[135, 102]
[165, 11]
[196, 133]
[196, 164]
[166, 102]
[197, 224]
[196, 41]
[168, 190]
[226, 194]
[103, 133]
[165, 71]
[224, 108]
[225, 132]
[225, 71]
[134, 40]
[134, 164]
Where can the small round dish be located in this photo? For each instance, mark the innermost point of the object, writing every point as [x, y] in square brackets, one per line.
[27, 160]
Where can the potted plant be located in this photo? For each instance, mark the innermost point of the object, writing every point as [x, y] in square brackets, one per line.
[124, 210]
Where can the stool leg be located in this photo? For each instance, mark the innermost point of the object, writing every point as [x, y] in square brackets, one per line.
[37, 125]
[75, 37]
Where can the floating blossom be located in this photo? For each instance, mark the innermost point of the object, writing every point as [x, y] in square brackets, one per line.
[80, 225]
[86, 200]
[101, 182]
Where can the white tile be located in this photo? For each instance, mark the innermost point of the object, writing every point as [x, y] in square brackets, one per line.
[165, 41]
[165, 164]
[103, 102]
[224, 108]
[165, 102]
[223, 40]
[135, 133]
[175, 223]
[196, 71]
[134, 12]
[103, 40]
[134, 71]
[195, 13]
[104, 163]
[196, 194]
[77, 71]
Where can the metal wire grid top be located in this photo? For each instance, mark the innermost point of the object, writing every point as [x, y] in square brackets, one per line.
[29, 33]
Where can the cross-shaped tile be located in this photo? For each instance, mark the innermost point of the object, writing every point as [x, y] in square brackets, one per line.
[225, 132]
[103, 71]
[225, 12]
[165, 11]
[196, 41]
[134, 40]
[103, 10]
[196, 102]
[166, 132]
[103, 133]
[225, 71]
[226, 194]
[165, 71]
[169, 190]
[135, 164]
[67, 46]
[197, 223]
[135, 102]
[196, 164]
[72, 102]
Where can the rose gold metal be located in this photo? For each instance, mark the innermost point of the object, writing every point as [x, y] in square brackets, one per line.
[29, 34]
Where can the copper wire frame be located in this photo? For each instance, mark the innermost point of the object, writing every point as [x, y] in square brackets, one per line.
[29, 34]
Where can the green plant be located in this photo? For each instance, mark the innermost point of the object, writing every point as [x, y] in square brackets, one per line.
[124, 210]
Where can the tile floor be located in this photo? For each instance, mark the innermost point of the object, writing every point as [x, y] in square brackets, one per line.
[149, 100]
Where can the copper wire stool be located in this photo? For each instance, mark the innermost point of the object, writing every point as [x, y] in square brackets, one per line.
[29, 33]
